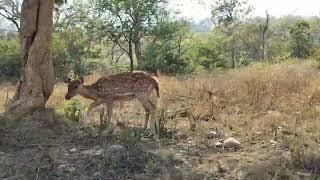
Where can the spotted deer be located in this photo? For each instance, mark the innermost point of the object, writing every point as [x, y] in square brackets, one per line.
[119, 87]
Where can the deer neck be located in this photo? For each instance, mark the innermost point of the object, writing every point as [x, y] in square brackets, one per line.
[88, 92]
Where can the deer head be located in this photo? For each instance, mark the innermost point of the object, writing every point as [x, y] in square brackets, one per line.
[73, 87]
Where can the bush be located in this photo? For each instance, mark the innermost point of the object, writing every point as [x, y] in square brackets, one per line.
[130, 137]
[62, 65]
[306, 157]
[74, 110]
[167, 52]
[209, 58]
[10, 58]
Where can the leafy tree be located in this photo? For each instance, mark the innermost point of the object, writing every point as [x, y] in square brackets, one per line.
[300, 39]
[168, 50]
[210, 58]
[78, 32]
[229, 14]
[10, 59]
[80, 47]
[128, 22]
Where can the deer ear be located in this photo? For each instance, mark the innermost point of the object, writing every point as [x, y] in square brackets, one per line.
[67, 80]
[81, 80]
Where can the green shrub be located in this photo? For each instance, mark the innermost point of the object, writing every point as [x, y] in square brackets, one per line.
[130, 137]
[306, 157]
[74, 110]
[167, 52]
[62, 65]
[10, 58]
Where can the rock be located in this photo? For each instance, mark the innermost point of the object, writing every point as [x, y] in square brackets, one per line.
[274, 113]
[219, 144]
[231, 143]
[116, 148]
[303, 174]
[273, 142]
[73, 150]
[212, 135]
[189, 140]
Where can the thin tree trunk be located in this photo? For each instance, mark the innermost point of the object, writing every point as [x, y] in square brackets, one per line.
[264, 32]
[138, 53]
[233, 58]
[131, 56]
[263, 47]
[37, 81]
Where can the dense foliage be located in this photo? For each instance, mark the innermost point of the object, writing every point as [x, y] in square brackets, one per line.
[119, 34]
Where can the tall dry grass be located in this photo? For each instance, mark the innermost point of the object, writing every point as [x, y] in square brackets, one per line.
[260, 98]
[256, 104]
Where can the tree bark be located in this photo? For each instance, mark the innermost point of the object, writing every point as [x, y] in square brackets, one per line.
[138, 53]
[131, 56]
[37, 81]
[264, 30]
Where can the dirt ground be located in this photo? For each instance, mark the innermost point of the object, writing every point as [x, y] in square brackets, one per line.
[43, 146]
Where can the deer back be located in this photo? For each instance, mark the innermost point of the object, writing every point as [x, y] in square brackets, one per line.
[124, 85]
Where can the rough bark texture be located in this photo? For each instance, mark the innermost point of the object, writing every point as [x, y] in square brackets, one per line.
[138, 53]
[37, 81]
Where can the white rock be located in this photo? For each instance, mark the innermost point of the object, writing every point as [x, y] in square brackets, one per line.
[273, 142]
[212, 134]
[274, 113]
[231, 143]
[73, 150]
[219, 144]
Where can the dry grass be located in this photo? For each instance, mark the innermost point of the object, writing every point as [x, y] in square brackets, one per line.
[257, 104]
[263, 97]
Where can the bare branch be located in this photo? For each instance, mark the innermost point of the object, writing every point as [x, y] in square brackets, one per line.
[10, 9]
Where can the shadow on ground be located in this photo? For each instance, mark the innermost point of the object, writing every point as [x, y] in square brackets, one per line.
[44, 146]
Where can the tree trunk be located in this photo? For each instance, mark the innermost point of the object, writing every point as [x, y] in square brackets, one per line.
[263, 34]
[37, 81]
[138, 53]
[233, 58]
[263, 47]
[131, 56]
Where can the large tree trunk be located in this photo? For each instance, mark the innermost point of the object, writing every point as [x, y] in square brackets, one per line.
[37, 81]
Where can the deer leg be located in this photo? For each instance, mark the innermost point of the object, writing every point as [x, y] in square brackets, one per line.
[152, 109]
[109, 112]
[155, 121]
[147, 111]
[145, 126]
